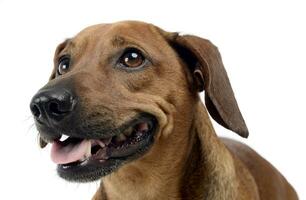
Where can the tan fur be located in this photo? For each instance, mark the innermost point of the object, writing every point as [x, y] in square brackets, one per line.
[187, 160]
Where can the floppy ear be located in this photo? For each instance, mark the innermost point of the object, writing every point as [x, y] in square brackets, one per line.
[204, 61]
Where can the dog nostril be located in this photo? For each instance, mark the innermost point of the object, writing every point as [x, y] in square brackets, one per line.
[35, 110]
[54, 108]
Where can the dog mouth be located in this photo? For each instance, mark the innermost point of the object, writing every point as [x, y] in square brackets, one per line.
[69, 151]
[85, 159]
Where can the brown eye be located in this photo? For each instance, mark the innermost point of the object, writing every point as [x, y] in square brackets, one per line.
[132, 58]
[63, 65]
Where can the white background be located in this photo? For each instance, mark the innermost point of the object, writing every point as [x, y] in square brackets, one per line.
[263, 44]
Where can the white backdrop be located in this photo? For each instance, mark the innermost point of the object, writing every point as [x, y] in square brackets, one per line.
[263, 44]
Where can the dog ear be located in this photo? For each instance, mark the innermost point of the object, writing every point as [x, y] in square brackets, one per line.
[204, 61]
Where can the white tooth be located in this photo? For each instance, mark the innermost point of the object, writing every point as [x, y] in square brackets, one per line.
[64, 137]
[84, 163]
[65, 167]
[88, 152]
[101, 143]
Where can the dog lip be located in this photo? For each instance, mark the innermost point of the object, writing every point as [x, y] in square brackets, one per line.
[47, 141]
[48, 136]
[67, 150]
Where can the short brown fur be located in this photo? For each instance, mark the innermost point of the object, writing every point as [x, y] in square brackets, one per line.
[187, 159]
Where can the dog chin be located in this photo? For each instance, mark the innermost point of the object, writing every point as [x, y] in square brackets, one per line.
[88, 159]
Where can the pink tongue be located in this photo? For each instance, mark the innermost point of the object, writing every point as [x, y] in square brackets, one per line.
[61, 154]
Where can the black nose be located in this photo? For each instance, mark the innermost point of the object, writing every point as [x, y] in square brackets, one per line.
[52, 105]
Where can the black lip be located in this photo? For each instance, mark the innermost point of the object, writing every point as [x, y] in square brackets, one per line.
[92, 169]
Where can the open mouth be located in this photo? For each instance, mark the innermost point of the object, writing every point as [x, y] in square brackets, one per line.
[86, 159]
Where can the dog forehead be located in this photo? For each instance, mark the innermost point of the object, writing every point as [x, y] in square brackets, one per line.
[130, 30]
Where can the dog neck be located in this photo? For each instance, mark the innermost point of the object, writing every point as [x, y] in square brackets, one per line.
[210, 160]
[197, 166]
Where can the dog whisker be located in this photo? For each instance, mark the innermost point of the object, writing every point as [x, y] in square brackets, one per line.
[30, 128]
[30, 117]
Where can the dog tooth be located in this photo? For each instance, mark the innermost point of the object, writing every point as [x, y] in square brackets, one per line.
[64, 137]
[84, 163]
[65, 166]
[139, 134]
[101, 143]
[88, 152]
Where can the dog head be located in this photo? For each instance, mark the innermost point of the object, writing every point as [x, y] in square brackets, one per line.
[117, 90]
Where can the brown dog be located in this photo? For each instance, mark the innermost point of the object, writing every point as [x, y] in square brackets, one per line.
[126, 94]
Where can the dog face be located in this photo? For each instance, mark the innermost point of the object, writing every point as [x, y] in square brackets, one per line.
[117, 90]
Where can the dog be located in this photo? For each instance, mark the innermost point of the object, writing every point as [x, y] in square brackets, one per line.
[122, 105]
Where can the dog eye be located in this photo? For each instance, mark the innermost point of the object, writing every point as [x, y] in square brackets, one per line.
[63, 65]
[132, 58]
